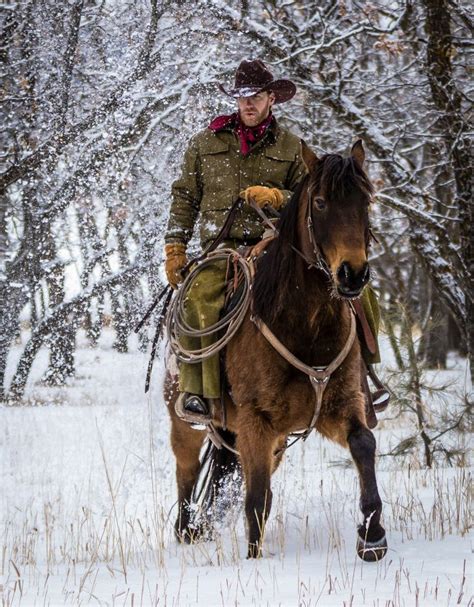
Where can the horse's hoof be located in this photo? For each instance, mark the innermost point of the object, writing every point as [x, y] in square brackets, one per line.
[254, 551]
[189, 535]
[194, 533]
[183, 536]
[372, 551]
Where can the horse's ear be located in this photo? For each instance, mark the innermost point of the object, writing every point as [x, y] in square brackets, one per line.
[358, 153]
[309, 157]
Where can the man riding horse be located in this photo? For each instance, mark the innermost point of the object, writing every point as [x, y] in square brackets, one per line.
[247, 154]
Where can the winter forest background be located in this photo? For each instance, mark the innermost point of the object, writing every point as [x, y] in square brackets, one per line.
[98, 101]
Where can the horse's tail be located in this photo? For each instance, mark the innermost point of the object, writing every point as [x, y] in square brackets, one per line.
[218, 485]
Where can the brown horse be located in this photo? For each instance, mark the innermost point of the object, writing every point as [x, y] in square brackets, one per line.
[301, 289]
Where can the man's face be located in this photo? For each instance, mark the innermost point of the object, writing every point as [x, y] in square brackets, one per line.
[253, 110]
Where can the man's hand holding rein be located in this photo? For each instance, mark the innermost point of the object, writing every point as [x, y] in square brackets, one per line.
[263, 195]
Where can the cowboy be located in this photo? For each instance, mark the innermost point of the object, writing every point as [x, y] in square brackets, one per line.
[246, 154]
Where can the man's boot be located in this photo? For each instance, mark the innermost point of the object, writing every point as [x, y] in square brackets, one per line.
[193, 409]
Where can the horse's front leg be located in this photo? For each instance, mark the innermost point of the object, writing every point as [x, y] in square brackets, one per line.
[256, 444]
[371, 541]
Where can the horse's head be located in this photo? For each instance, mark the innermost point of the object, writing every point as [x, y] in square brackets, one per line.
[334, 205]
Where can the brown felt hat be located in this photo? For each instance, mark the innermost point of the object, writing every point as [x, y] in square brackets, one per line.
[253, 76]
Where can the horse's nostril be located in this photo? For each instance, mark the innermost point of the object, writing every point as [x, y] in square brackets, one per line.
[344, 272]
[352, 281]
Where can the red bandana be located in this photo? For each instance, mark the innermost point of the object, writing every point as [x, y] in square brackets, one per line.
[248, 135]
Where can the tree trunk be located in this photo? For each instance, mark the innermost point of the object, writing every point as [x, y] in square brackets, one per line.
[434, 346]
[13, 299]
[455, 130]
[62, 341]
[456, 340]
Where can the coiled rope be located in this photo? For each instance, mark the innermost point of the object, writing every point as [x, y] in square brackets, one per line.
[226, 327]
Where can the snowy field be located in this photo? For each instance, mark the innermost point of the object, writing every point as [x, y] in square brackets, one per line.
[88, 501]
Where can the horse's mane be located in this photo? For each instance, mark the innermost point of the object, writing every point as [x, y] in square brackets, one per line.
[334, 176]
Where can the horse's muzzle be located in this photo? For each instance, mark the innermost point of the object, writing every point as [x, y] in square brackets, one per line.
[349, 282]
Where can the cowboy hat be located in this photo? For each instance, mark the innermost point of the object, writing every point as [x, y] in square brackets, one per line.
[253, 76]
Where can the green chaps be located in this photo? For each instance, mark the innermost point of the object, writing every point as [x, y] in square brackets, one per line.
[203, 305]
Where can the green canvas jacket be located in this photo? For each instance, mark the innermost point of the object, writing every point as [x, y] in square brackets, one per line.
[213, 174]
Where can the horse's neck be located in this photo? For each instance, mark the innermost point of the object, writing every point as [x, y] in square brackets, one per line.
[297, 305]
[313, 323]
[310, 302]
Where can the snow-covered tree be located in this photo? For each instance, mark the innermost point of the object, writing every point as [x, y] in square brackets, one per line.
[100, 98]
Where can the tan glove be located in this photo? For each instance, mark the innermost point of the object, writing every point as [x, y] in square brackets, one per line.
[263, 195]
[175, 261]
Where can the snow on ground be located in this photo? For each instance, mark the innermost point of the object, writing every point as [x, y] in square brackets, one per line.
[88, 501]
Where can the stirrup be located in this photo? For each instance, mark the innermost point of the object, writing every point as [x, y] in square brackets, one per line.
[194, 410]
[381, 396]
[380, 400]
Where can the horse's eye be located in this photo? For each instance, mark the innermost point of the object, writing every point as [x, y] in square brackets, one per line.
[320, 203]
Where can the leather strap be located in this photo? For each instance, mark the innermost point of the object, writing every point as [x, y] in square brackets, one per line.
[271, 226]
[318, 376]
[318, 373]
[368, 335]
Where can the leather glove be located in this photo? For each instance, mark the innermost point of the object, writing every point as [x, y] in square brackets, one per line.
[263, 195]
[175, 261]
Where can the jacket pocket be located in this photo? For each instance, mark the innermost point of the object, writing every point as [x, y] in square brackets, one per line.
[215, 166]
[275, 164]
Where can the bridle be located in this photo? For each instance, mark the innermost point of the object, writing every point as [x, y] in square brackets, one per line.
[319, 260]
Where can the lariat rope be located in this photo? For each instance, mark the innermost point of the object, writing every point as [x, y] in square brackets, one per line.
[225, 328]
[167, 293]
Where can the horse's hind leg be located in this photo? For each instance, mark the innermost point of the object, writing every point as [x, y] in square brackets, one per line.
[186, 444]
[371, 541]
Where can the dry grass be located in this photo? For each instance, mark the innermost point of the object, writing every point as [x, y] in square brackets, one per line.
[76, 554]
[114, 551]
